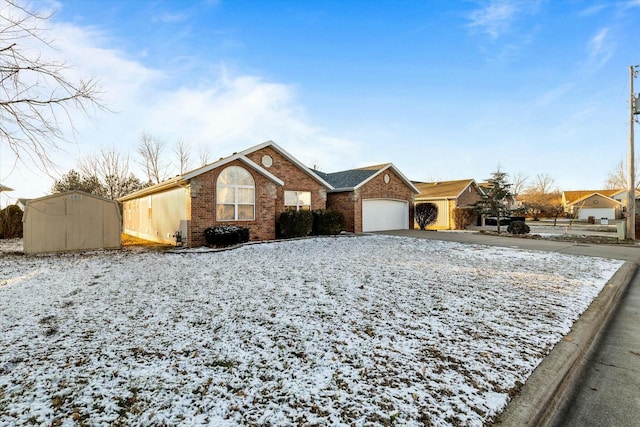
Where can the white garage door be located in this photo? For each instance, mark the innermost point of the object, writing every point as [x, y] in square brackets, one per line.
[384, 214]
[597, 213]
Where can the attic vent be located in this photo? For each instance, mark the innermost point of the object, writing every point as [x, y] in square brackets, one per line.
[75, 196]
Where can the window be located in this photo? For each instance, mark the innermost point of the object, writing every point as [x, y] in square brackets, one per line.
[297, 200]
[236, 194]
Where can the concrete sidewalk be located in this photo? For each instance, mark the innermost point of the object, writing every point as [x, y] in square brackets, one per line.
[592, 377]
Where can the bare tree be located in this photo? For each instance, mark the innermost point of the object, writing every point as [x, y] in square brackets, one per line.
[36, 97]
[183, 153]
[112, 170]
[518, 183]
[151, 148]
[543, 183]
[204, 153]
[618, 178]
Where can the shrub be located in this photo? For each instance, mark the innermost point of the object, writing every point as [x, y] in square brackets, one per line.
[295, 224]
[11, 222]
[426, 213]
[327, 222]
[226, 235]
[463, 217]
[518, 227]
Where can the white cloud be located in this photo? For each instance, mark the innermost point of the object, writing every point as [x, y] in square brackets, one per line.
[600, 48]
[494, 19]
[225, 110]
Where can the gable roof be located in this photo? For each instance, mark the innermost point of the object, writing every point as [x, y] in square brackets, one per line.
[444, 189]
[182, 180]
[352, 179]
[289, 157]
[572, 196]
[588, 196]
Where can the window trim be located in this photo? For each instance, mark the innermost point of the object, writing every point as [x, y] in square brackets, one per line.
[297, 205]
[236, 204]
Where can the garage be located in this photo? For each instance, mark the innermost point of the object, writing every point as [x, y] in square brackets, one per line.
[385, 214]
[609, 213]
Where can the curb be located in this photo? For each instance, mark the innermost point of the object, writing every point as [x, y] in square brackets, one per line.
[549, 385]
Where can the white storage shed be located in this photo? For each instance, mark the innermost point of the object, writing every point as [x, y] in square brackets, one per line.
[71, 221]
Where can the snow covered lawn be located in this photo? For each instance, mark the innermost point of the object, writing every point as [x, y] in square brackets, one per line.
[328, 331]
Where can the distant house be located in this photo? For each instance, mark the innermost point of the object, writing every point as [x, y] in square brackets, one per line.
[71, 221]
[372, 198]
[621, 196]
[253, 187]
[599, 204]
[447, 196]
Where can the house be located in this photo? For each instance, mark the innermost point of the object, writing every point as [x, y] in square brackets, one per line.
[447, 196]
[253, 187]
[372, 198]
[250, 189]
[71, 221]
[621, 196]
[596, 203]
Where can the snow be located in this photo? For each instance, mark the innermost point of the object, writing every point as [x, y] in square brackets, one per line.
[327, 331]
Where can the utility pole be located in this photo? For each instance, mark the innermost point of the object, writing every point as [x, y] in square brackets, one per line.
[631, 188]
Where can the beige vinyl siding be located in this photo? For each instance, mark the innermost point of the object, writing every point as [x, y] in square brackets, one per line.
[443, 220]
[158, 216]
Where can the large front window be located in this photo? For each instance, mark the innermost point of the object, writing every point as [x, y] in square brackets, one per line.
[297, 200]
[236, 195]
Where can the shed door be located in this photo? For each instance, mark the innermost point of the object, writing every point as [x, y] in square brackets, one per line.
[385, 214]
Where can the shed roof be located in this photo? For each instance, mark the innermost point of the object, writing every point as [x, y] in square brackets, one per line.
[444, 189]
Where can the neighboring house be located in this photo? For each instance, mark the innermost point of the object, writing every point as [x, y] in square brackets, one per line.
[621, 196]
[372, 198]
[596, 203]
[5, 188]
[71, 221]
[250, 189]
[448, 195]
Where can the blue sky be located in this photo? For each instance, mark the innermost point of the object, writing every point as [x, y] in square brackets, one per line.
[443, 89]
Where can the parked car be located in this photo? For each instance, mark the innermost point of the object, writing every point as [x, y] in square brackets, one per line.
[505, 220]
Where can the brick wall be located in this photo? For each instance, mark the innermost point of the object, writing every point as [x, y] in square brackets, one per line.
[203, 206]
[295, 179]
[350, 203]
[346, 203]
[269, 196]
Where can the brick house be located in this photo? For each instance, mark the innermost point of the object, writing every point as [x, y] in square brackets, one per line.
[250, 189]
[373, 198]
[253, 187]
[448, 195]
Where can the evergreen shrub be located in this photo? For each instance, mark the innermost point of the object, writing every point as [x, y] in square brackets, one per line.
[327, 222]
[226, 235]
[295, 224]
[518, 227]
